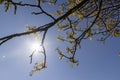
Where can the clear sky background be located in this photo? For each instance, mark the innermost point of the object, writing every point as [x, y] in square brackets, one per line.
[97, 61]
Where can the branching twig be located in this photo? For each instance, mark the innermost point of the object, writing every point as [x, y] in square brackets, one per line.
[31, 56]
[44, 27]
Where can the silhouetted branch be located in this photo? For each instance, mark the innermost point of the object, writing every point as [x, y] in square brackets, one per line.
[31, 56]
[44, 27]
[71, 15]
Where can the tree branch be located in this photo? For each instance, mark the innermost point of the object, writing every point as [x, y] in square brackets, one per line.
[44, 27]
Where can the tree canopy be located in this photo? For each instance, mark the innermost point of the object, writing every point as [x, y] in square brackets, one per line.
[77, 19]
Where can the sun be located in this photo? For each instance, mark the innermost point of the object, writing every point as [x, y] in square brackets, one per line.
[35, 46]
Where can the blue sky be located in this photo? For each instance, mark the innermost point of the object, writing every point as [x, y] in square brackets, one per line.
[97, 61]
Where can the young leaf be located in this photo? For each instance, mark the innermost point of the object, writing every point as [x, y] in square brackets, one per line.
[7, 6]
[116, 33]
[88, 33]
[60, 28]
[72, 60]
[57, 13]
[70, 35]
[78, 1]
[60, 38]
[68, 50]
[37, 36]
[61, 56]
[119, 54]
[38, 1]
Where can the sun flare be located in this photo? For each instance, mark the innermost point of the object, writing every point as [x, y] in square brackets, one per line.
[36, 46]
